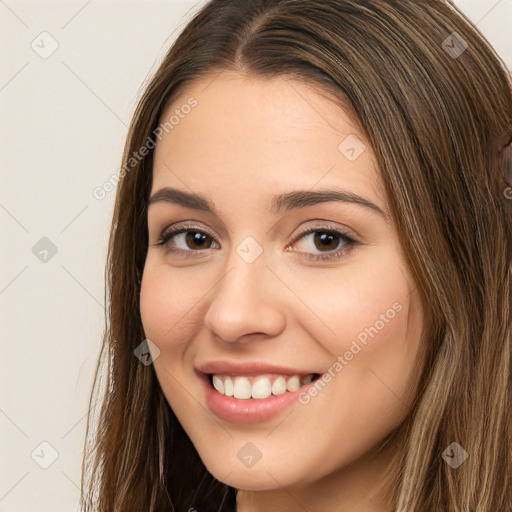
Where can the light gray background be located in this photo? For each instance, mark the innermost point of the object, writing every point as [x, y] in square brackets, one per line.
[64, 118]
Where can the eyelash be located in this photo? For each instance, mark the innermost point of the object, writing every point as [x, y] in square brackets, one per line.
[349, 242]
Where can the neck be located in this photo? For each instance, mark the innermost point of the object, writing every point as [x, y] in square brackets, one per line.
[365, 485]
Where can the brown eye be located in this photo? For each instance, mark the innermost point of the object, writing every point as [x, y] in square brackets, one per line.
[325, 240]
[323, 244]
[197, 240]
[186, 240]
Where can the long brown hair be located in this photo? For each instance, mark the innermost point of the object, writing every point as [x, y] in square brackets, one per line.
[435, 102]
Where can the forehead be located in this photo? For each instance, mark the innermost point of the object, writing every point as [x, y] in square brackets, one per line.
[259, 136]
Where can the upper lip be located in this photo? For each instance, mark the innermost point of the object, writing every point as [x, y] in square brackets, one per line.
[248, 368]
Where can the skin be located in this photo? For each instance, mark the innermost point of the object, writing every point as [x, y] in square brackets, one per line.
[245, 141]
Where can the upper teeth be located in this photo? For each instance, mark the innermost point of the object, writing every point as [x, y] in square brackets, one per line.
[258, 387]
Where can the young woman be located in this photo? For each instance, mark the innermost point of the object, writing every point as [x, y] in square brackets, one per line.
[309, 269]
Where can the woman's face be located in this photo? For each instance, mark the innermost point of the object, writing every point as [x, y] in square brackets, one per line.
[265, 284]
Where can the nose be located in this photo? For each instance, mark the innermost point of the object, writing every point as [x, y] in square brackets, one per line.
[246, 301]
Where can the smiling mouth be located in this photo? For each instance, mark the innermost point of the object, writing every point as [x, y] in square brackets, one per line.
[258, 387]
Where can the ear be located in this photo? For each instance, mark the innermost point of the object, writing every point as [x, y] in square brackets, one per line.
[505, 163]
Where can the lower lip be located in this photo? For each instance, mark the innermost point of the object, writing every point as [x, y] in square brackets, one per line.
[252, 410]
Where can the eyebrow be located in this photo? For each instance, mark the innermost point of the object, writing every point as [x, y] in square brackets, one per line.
[283, 202]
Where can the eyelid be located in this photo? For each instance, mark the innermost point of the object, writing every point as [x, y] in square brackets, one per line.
[341, 233]
[187, 226]
[325, 227]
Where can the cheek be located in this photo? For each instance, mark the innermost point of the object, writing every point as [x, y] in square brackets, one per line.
[169, 309]
[367, 300]
[368, 321]
[169, 305]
